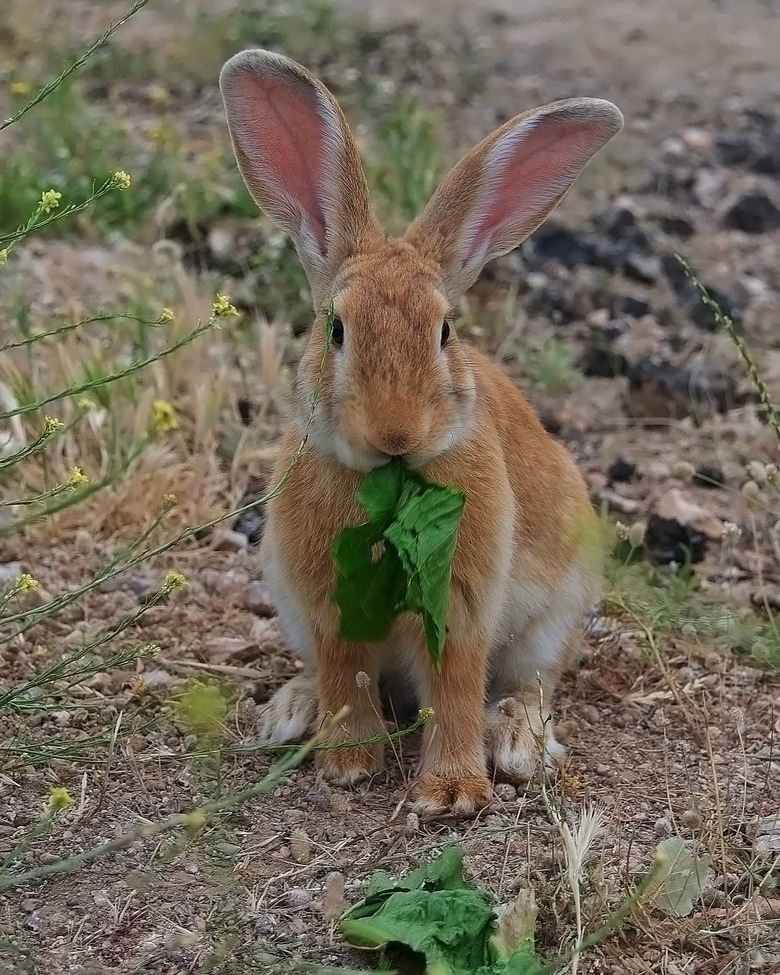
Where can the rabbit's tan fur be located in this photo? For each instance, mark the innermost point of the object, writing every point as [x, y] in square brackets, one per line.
[527, 565]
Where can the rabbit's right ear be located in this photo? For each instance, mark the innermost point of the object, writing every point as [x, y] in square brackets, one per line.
[298, 159]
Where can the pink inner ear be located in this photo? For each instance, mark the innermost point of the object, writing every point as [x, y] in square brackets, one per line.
[527, 173]
[283, 133]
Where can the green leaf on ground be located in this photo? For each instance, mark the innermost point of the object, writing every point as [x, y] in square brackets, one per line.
[435, 913]
[400, 560]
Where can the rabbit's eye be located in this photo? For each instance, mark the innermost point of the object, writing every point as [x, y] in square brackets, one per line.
[337, 332]
[445, 332]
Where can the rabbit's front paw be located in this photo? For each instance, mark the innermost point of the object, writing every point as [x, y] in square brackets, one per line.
[346, 766]
[517, 740]
[291, 714]
[462, 796]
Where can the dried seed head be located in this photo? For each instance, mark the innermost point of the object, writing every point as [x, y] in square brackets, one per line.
[508, 707]
[333, 900]
[362, 679]
[684, 470]
[751, 491]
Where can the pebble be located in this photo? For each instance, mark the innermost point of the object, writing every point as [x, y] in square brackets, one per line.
[753, 213]
[230, 541]
[9, 571]
[257, 599]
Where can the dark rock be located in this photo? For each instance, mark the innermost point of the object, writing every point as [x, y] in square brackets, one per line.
[666, 540]
[661, 390]
[734, 150]
[251, 522]
[621, 226]
[709, 476]
[677, 226]
[620, 471]
[768, 162]
[554, 242]
[630, 305]
[753, 213]
[601, 360]
[691, 301]
[643, 268]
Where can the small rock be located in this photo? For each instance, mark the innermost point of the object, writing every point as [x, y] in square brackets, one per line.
[158, 679]
[554, 242]
[229, 540]
[265, 635]
[630, 305]
[662, 827]
[223, 648]
[252, 522]
[10, 572]
[668, 541]
[767, 840]
[753, 213]
[660, 390]
[643, 268]
[143, 585]
[257, 599]
[601, 360]
[677, 226]
[298, 897]
[674, 506]
[734, 150]
[698, 140]
[620, 471]
[61, 718]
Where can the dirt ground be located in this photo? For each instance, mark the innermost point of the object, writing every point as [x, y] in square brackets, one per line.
[670, 733]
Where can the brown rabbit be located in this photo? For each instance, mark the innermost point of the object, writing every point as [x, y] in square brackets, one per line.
[397, 382]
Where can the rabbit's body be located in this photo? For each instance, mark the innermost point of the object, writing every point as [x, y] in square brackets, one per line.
[397, 382]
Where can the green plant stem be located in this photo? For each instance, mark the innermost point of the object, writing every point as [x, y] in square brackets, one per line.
[75, 66]
[136, 366]
[612, 924]
[743, 350]
[145, 831]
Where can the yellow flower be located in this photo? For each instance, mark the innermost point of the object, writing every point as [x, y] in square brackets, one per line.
[223, 308]
[50, 200]
[24, 583]
[77, 478]
[166, 316]
[164, 417]
[173, 580]
[20, 88]
[59, 798]
[169, 501]
[3, 255]
[196, 820]
[149, 651]
[161, 133]
[51, 425]
[159, 95]
[426, 713]
[120, 179]
[85, 404]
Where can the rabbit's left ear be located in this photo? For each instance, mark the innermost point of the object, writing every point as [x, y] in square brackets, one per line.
[298, 159]
[503, 189]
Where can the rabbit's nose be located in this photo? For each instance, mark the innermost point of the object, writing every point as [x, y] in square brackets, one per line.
[394, 443]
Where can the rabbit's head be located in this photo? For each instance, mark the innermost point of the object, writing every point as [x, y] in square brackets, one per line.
[395, 381]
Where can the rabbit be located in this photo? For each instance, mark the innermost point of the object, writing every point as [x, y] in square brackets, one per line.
[396, 382]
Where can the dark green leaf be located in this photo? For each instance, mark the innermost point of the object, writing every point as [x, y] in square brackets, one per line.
[400, 560]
